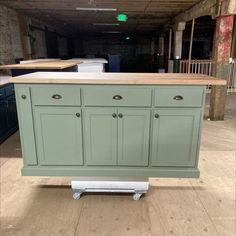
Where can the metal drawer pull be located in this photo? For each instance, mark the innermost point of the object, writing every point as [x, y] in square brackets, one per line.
[77, 114]
[157, 116]
[23, 96]
[114, 115]
[117, 97]
[120, 115]
[56, 96]
[178, 97]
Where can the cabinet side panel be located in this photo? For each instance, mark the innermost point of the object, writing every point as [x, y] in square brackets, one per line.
[25, 118]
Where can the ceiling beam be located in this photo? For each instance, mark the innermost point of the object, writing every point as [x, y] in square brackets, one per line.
[203, 8]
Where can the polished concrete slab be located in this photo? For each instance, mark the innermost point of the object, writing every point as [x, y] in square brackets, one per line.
[204, 206]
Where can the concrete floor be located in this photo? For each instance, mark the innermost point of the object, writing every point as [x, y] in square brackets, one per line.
[205, 206]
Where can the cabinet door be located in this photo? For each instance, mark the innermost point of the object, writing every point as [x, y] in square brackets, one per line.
[58, 136]
[3, 117]
[175, 137]
[101, 136]
[133, 137]
[12, 114]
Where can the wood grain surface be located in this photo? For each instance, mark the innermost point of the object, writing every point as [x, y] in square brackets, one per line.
[42, 65]
[117, 78]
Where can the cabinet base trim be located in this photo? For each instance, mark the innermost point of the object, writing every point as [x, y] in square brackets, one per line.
[127, 172]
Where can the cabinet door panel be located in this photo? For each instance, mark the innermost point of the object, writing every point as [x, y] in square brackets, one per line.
[133, 137]
[3, 117]
[100, 136]
[175, 137]
[58, 136]
[12, 114]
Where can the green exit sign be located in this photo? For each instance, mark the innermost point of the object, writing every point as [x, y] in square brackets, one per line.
[122, 17]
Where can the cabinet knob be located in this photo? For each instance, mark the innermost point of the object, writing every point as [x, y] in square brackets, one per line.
[120, 115]
[157, 116]
[77, 114]
[178, 97]
[56, 96]
[114, 115]
[117, 97]
[23, 96]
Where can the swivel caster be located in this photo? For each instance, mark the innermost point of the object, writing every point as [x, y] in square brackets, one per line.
[137, 196]
[76, 195]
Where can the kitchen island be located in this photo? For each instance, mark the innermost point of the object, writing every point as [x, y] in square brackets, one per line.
[126, 124]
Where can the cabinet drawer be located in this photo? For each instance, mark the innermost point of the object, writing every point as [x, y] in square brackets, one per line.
[9, 90]
[117, 97]
[179, 97]
[2, 93]
[57, 96]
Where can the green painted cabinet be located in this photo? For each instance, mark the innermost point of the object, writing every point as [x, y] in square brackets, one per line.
[116, 137]
[133, 137]
[110, 130]
[100, 128]
[58, 133]
[175, 137]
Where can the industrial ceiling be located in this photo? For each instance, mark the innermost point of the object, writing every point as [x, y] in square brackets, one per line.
[143, 15]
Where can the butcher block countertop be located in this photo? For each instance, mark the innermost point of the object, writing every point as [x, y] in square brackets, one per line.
[116, 78]
[42, 65]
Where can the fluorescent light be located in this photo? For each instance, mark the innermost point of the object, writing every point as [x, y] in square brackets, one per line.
[111, 32]
[98, 24]
[95, 9]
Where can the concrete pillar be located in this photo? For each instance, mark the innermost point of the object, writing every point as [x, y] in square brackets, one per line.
[222, 50]
[161, 45]
[178, 38]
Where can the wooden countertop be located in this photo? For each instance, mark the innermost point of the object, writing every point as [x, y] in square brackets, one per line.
[42, 65]
[4, 80]
[116, 78]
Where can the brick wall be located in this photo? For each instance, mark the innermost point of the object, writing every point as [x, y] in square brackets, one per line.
[10, 42]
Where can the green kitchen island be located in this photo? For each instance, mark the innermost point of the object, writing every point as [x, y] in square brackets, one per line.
[111, 124]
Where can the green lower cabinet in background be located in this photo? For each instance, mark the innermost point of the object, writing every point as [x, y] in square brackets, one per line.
[133, 137]
[100, 125]
[175, 137]
[58, 133]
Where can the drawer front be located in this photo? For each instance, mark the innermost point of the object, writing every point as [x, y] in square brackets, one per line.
[9, 90]
[117, 97]
[178, 97]
[2, 93]
[56, 96]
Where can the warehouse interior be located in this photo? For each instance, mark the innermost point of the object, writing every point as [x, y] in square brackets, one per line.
[141, 36]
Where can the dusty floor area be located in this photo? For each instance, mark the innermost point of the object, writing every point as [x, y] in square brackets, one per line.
[205, 206]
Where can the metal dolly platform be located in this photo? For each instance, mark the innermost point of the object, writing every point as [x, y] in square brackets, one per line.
[81, 185]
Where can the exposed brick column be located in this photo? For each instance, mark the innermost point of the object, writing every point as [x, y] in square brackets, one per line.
[223, 41]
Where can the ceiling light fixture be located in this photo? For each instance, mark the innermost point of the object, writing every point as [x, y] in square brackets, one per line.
[111, 32]
[94, 9]
[102, 24]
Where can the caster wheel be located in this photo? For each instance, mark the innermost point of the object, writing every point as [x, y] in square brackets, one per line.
[137, 196]
[76, 196]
